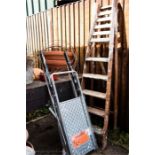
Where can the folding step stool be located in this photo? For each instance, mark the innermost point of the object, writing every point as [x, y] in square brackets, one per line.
[74, 124]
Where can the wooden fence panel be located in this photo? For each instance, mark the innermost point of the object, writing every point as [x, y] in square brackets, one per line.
[87, 25]
[67, 25]
[63, 26]
[70, 25]
[51, 28]
[60, 26]
[81, 27]
[77, 33]
[48, 13]
[55, 24]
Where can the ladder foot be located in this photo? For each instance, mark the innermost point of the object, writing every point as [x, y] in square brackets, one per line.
[104, 142]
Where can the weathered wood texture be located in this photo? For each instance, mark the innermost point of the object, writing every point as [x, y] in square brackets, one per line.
[70, 25]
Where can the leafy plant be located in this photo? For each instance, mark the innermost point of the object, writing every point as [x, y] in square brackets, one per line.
[37, 113]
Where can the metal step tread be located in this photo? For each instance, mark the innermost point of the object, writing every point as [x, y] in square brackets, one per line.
[94, 93]
[102, 26]
[96, 111]
[106, 7]
[101, 33]
[97, 59]
[103, 19]
[95, 76]
[100, 40]
[107, 12]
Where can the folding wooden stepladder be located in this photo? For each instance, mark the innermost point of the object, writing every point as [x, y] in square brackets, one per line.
[102, 34]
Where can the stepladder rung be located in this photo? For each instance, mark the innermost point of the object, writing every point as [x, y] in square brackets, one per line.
[95, 76]
[105, 19]
[101, 33]
[102, 26]
[100, 40]
[103, 13]
[98, 130]
[94, 93]
[96, 111]
[106, 7]
[97, 59]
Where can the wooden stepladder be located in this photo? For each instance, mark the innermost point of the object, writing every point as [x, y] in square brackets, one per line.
[98, 66]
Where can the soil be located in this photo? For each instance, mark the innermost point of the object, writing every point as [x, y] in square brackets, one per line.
[44, 136]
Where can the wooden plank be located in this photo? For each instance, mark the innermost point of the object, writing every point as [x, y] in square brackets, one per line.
[96, 111]
[64, 26]
[59, 25]
[35, 42]
[92, 70]
[48, 12]
[93, 10]
[43, 29]
[77, 33]
[35, 35]
[55, 26]
[97, 59]
[28, 35]
[46, 29]
[87, 14]
[126, 22]
[82, 36]
[94, 94]
[110, 2]
[95, 76]
[72, 23]
[51, 29]
[125, 67]
[67, 26]
[104, 2]
[38, 30]
[32, 34]
[100, 40]
[99, 2]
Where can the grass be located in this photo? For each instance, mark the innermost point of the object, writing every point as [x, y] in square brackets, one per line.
[37, 113]
[118, 137]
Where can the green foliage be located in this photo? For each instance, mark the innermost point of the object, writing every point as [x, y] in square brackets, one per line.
[37, 113]
[118, 137]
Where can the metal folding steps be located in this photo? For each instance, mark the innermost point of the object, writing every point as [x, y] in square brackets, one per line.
[101, 35]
